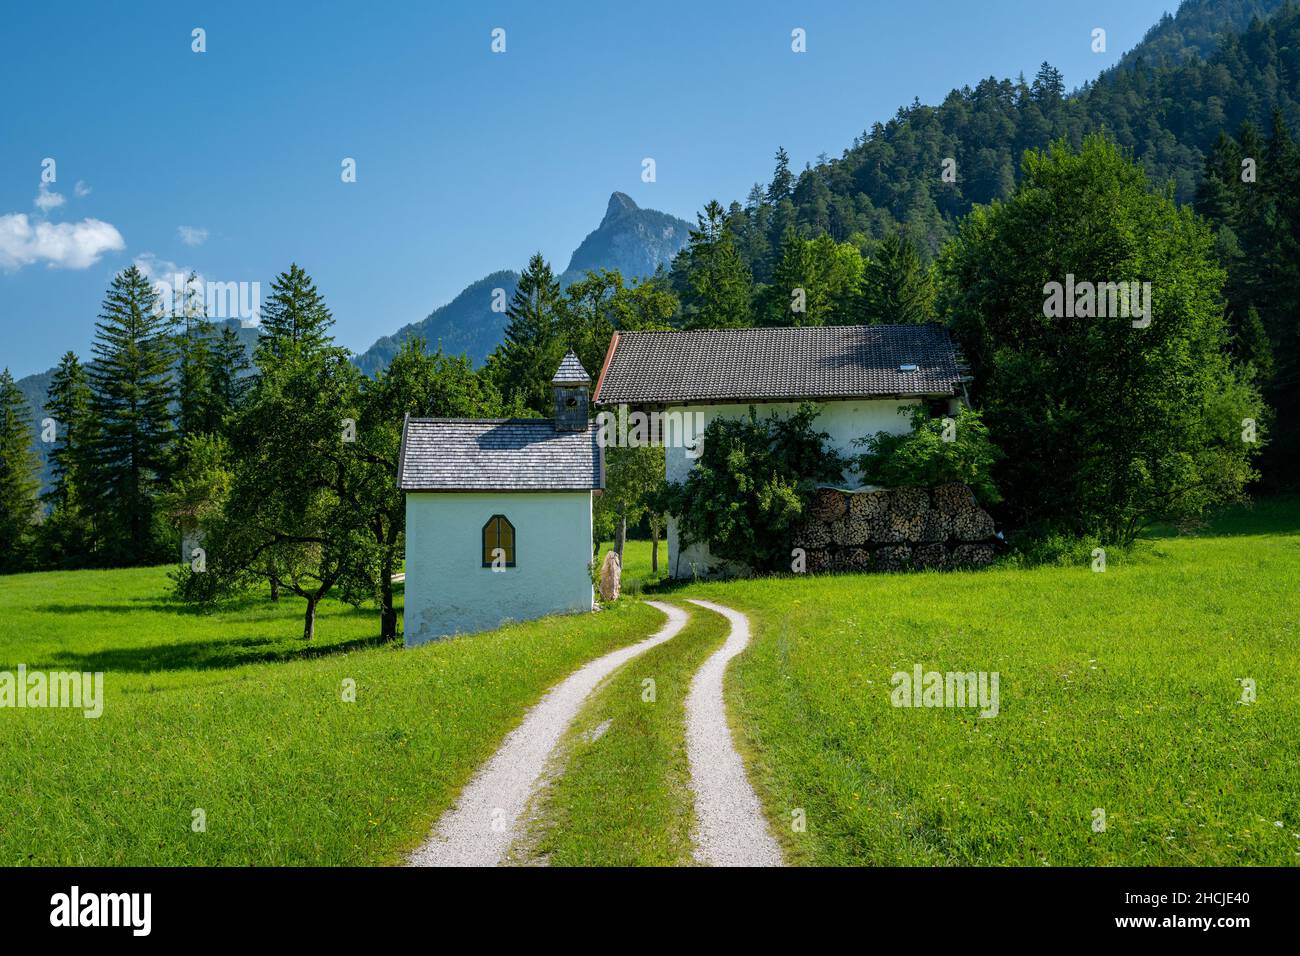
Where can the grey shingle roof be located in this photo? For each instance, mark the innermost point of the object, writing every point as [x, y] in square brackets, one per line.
[571, 372]
[505, 454]
[812, 362]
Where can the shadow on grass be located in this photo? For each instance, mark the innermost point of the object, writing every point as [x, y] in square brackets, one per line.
[203, 655]
[289, 607]
[663, 587]
[1279, 514]
[180, 610]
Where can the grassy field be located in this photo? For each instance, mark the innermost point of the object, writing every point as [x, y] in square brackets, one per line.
[637, 575]
[1119, 691]
[229, 713]
[624, 798]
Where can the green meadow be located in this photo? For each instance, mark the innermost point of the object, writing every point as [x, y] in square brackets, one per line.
[225, 740]
[1120, 692]
[229, 713]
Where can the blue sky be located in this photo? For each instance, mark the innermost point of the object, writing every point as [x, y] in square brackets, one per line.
[467, 161]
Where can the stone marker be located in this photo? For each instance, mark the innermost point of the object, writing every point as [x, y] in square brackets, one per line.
[611, 576]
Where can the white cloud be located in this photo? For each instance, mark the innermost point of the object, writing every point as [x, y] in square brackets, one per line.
[81, 189]
[163, 270]
[63, 245]
[155, 268]
[46, 200]
[167, 279]
[192, 235]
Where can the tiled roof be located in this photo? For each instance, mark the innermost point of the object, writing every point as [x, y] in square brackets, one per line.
[810, 362]
[506, 454]
[571, 372]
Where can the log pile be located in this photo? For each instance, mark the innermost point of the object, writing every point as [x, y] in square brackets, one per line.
[895, 529]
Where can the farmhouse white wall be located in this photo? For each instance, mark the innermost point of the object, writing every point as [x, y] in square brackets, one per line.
[448, 591]
[843, 421]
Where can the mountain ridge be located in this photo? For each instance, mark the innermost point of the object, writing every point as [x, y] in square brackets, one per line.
[633, 240]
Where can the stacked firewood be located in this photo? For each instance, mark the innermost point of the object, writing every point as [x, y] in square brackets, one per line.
[895, 529]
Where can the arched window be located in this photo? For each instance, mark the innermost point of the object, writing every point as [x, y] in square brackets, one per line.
[498, 533]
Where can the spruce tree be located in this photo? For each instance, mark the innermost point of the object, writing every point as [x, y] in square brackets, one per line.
[294, 318]
[18, 476]
[1252, 346]
[782, 184]
[523, 365]
[131, 394]
[1049, 85]
[68, 403]
[718, 281]
[198, 411]
[817, 282]
[228, 361]
[794, 297]
[897, 287]
[66, 538]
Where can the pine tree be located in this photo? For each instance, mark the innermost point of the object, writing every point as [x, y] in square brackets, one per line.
[1049, 85]
[294, 318]
[1252, 346]
[67, 538]
[782, 185]
[717, 278]
[228, 361]
[817, 282]
[68, 403]
[198, 411]
[523, 364]
[18, 476]
[131, 392]
[897, 287]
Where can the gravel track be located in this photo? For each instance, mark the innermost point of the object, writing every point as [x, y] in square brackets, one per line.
[732, 830]
[485, 820]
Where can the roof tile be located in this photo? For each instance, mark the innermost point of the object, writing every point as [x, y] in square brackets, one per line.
[514, 454]
[809, 362]
[571, 372]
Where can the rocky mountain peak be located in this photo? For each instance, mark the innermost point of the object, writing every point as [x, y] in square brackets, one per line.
[619, 203]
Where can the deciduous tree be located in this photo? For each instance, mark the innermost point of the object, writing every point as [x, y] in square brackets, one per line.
[1108, 421]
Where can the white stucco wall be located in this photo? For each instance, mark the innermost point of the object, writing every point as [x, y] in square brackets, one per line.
[448, 591]
[843, 421]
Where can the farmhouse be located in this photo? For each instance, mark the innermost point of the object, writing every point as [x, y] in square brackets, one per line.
[860, 375]
[498, 514]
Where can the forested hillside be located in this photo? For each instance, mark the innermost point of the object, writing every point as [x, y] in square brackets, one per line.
[1196, 30]
[893, 175]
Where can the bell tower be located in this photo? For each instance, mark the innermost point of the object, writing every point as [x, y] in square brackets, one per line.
[570, 390]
